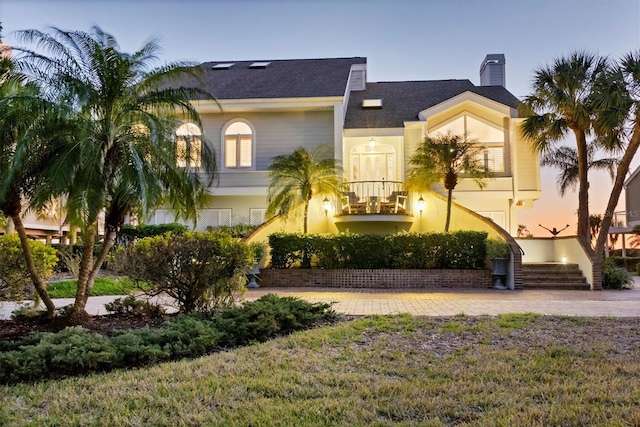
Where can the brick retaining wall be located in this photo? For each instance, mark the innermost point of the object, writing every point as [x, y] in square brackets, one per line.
[379, 278]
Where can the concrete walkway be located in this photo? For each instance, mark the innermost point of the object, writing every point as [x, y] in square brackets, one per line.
[439, 302]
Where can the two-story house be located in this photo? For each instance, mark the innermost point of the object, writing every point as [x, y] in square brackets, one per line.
[267, 108]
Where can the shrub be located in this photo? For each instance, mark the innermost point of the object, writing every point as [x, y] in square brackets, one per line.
[199, 271]
[239, 231]
[15, 282]
[76, 350]
[129, 234]
[630, 263]
[134, 306]
[614, 277]
[270, 315]
[460, 249]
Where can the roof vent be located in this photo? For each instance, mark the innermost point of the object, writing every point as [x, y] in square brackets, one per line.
[260, 65]
[372, 103]
[223, 66]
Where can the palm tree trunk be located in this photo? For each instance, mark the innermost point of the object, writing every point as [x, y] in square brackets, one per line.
[583, 186]
[38, 283]
[621, 174]
[78, 314]
[449, 197]
[306, 216]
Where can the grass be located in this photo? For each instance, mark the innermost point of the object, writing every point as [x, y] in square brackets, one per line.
[102, 286]
[484, 371]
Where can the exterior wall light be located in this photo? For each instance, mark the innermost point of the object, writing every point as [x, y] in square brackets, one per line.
[326, 205]
[564, 259]
[421, 205]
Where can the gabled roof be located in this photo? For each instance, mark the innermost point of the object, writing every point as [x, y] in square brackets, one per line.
[290, 78]
[402, 101]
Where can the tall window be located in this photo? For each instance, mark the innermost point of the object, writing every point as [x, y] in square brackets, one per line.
[489, 135]
[188, 146]
[238, 146]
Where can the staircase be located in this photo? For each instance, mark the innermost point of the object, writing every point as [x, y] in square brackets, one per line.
[551, 275]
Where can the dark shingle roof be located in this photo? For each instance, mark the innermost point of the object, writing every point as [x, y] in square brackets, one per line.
[402, 101]
[291, 78]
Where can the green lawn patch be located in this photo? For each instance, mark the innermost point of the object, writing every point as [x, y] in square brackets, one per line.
[103, 286]
[378, 371]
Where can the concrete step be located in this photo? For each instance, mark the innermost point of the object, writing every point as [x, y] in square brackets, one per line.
[553, 276]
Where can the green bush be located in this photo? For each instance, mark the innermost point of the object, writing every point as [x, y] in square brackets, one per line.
[268, 316]
[457, 250]
[198, 270]
[76, 350]
[630, 263]
[239, 231]
[134, 306]
[15, 282]
[614, 277]
[129, 234]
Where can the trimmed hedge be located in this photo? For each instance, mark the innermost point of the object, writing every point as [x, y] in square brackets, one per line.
[456, 250]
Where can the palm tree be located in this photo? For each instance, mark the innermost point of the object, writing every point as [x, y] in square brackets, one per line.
[446, 159]
[23, 117]
[617, 98]
[297, 178]
[122, 155]
[566, 159]
[595, 224]
[561, 103]
[523, 231]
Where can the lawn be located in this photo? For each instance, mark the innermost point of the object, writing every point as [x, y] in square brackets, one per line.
[102, 286]
[509, 370]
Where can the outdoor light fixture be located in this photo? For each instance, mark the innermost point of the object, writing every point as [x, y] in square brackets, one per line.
[326, 204]
[372, 143]
[564, 259]
[421, 205]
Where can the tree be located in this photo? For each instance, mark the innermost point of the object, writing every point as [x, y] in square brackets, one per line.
[560, 104]
[566, 159]
[523, 231]
[446, 159]
[122, 156]
[24, 117]
[296, 178]
[617, 97]
[595, 224]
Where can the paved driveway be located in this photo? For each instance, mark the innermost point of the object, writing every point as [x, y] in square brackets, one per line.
[440, 302]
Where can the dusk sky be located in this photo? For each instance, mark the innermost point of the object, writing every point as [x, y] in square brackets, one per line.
[402, 40]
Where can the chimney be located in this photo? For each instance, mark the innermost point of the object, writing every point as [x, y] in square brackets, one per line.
[492, 70]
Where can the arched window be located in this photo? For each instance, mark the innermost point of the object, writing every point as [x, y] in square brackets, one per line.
[188, 145]
[238, 145]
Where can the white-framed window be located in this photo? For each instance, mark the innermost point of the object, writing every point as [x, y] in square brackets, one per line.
[486, 133]
[206, 218]
[188, 146]
[238, 145]
[256, 216]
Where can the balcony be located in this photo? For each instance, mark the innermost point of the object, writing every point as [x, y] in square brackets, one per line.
[374, 198]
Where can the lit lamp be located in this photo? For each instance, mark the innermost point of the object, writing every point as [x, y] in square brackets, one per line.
[326, 204]
[421, 205]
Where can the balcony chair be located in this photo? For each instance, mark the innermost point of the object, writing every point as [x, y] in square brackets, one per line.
[398, 199]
